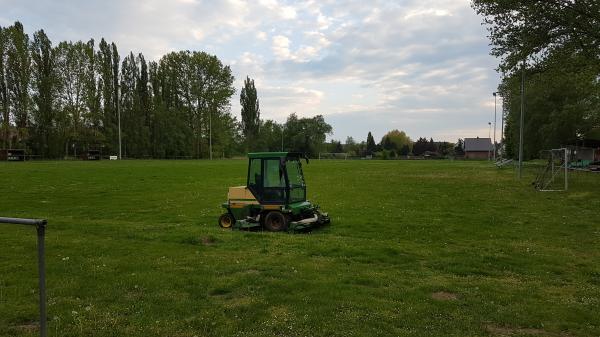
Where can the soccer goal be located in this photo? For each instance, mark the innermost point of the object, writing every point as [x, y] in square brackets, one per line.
[554, 175]
[328, 155]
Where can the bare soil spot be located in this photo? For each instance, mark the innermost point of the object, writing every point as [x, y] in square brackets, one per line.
[510, 331]
[444, 296]
[27, 327]
[208, 240]
[236, 302]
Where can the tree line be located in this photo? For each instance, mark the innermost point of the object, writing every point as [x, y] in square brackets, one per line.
[553, 47]
[65, 99]
[395, 144]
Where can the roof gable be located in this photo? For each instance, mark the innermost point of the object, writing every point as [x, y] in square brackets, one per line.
[478, 144]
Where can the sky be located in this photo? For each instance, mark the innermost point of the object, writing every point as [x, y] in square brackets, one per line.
[421, 66]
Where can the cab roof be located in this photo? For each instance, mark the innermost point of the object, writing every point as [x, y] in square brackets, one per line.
[275, 155]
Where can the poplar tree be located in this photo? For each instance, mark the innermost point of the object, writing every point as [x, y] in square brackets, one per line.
[43, 89]
[371, 146]
[4, 109]
[250, 111]
[17, 77]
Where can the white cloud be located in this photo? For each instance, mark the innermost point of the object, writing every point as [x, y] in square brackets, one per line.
[261, 36]
[281, 47]
[417, 13]
[417, 65]
[280, 101]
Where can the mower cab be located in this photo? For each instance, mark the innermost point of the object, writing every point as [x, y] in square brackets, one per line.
[274, 197]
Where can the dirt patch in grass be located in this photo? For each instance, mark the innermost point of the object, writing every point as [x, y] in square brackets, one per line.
[29, 327]
[444, 296]
[204, 240]
[509, 331]
[236, 302]
[208, 240]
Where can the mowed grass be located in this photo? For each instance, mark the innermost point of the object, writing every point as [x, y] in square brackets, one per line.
[420, 248]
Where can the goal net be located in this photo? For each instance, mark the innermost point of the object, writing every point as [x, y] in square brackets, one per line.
[339, 155]
[554, 175]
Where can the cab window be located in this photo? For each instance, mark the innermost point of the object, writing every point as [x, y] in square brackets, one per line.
[274, 177]
[254, 174]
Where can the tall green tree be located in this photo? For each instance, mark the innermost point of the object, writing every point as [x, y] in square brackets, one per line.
[562, 108]
[371, 146]
[143, 106]
[72, 66]
[556, 46]
[250, 111]
[18, 74]
[396, 140]
[459, 149]
[307, 135]
[44, 92]
[106, 90]
[4, 107]
[272, 136]
[128, 108]
[538, 29]
[114, 53]
[420, 146]
[92, 98]
[351, 147]
[220, 91]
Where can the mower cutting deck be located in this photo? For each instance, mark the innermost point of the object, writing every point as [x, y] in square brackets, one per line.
[274, 197]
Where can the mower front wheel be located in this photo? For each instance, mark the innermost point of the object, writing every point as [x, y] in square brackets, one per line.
[226, 220]
[276, 222]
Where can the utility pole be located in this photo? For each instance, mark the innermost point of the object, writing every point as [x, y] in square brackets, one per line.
[282, 138]
[522, 121]
[119, 116]
[502, 129]
[210, 133]
[489, 136]
[495, 108]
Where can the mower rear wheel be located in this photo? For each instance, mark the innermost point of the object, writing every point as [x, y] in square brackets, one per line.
[226, 220]
[276, 222]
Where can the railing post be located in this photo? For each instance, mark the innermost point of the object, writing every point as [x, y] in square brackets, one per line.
[41, 233]
[40, 226]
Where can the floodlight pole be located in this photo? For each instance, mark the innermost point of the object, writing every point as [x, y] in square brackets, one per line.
[210, 135]
[502, 129]
[522, 121]
[495, 108]
[489, 136]
[119, 116]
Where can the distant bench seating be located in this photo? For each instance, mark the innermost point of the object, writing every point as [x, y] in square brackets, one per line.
[503, 162]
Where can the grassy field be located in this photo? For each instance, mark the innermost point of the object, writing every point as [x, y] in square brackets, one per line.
[420, 248]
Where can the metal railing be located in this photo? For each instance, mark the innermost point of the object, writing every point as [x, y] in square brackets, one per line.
[40, 225]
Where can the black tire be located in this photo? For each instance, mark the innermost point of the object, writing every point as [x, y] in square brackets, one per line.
[276, 222]
[226, 220]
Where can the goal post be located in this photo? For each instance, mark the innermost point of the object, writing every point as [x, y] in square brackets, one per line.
[333, 155]
[554, 175]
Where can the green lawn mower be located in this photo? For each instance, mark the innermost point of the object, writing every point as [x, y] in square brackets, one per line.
[274, 197]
